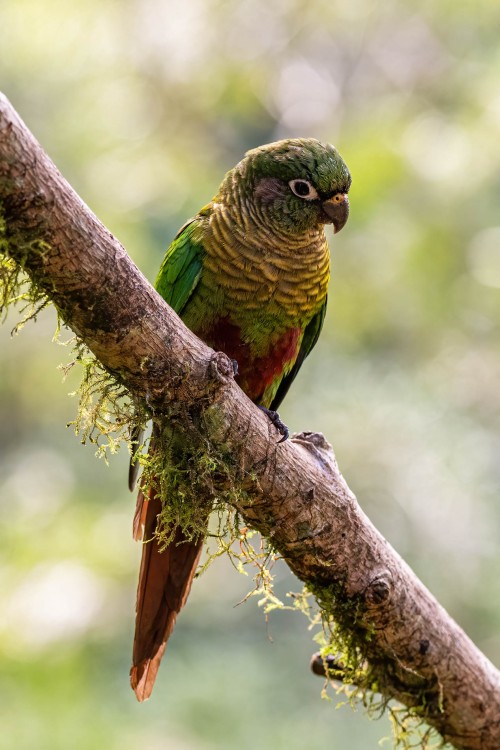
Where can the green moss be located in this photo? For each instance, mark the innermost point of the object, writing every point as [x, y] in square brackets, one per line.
[410, 731]
[193, 478]
[106, 415]
[16, 288]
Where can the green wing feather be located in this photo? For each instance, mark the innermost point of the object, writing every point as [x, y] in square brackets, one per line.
[309, 339]
[181, 268]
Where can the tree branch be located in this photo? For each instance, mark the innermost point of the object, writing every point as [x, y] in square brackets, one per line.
[292, 493]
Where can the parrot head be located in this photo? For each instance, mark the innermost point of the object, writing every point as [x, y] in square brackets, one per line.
[297, 184]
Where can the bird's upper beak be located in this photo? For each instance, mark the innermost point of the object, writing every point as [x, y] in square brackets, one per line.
[337, 210]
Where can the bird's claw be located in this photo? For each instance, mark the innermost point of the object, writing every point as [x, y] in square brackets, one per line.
[235, 367]
[274, 418]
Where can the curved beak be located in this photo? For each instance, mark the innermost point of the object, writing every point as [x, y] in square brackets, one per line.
[337, 210]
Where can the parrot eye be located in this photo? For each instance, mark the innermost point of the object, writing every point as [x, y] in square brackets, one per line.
[303, 189]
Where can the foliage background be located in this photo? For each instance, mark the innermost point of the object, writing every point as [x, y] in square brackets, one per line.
[143, 105]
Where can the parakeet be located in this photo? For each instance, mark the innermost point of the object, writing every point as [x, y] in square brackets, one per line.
[249, 275]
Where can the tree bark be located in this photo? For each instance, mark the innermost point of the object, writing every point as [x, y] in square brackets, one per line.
[292, 493]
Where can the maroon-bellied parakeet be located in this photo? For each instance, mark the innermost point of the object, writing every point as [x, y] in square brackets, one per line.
[249, 275]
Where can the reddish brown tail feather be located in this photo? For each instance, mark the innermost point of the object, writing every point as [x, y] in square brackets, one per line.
[165, 580]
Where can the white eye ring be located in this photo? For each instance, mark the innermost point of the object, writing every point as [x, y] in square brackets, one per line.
[303, 189]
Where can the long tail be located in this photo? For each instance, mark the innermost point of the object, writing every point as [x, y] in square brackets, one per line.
[165, 580]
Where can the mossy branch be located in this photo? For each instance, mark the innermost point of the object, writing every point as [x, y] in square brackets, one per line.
[398, 638]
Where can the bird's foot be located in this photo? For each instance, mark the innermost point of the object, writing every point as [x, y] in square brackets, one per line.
[274, 418]
[235, 367]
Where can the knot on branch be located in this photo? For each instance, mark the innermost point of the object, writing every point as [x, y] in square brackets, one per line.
[379, 590]
[221, 368]
[318, 445]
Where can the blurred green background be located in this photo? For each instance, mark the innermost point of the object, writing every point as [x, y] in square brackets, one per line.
[143, 105]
